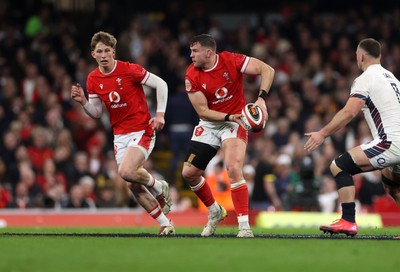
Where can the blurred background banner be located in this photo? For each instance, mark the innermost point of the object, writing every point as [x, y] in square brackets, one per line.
[53, 157]
[311, 219]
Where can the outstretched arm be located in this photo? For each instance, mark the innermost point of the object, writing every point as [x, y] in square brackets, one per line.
[340, 120]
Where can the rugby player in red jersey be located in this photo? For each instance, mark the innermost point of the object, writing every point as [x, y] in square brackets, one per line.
[214, 83]
[119, 85]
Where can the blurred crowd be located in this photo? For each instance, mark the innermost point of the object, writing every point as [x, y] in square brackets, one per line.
[52, 155]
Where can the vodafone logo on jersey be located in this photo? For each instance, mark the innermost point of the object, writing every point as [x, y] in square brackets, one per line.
[222, 95]
[115, 98]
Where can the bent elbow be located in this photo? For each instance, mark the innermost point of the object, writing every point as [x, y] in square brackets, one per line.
[271, 70]
[203, 117]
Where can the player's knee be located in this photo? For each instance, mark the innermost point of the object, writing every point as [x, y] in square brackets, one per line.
[189, 175]
[334, 168]
[346, 164]
[186, 175]
[128, 174]
[234, 170]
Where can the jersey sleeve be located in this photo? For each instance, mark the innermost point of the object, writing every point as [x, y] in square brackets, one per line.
[360, 88]
[241, 61]
[89, 87]
[138, 73]
[189, 85]
[190, 82]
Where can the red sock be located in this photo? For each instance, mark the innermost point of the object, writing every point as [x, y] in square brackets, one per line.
[204, 193]
[240, 199]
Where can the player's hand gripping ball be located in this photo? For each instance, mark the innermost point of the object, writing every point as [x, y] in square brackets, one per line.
[253, 118]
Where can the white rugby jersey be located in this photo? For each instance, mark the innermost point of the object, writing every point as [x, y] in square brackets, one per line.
[380, 90]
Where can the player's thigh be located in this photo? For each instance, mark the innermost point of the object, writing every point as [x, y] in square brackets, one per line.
[234, 150]
[133, 158]
[132, 149]
[360, 159]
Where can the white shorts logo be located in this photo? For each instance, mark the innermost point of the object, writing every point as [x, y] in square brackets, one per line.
[381, 161]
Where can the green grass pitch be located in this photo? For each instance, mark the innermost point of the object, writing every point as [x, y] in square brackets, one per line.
[139, 249]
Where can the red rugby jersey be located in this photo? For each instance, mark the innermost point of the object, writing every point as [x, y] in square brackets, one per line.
[223, 84]
[122, 92]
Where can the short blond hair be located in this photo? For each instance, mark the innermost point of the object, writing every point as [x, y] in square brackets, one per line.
[103, 37]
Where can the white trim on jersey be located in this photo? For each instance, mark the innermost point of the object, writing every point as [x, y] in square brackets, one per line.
[212, 68]
[245, 63]
[146, 77]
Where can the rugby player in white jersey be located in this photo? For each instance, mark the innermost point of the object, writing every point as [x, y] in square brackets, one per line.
[376, 92]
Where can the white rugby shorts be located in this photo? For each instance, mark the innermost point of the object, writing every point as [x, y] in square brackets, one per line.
[214, 133]
[142, 140]
[383, 157]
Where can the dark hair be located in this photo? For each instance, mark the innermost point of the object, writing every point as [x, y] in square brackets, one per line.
[371, 46]
[103, 37]
[204, 40]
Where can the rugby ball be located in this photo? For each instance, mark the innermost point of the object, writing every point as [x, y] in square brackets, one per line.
[253, 118]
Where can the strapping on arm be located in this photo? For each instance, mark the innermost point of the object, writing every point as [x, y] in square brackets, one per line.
[93, 108]
[161, 89]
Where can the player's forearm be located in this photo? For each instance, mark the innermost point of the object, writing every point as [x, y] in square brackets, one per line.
[211, 115]
[93, 108]
[162, 96]
[267, 77]
[161, 91]
[340, 120]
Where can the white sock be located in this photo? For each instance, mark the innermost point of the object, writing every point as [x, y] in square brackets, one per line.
[243, 221]
[154, 186]
[214, 208]
[163, 220]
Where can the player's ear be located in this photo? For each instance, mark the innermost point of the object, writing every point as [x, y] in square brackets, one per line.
[362, 57]
[92, 53]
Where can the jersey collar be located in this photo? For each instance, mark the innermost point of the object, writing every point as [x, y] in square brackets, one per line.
[215, 65]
